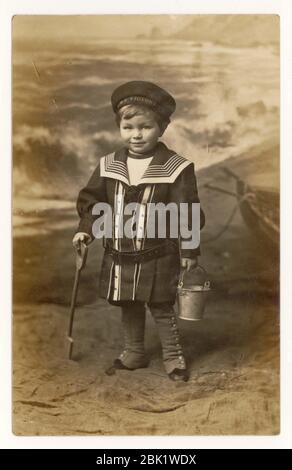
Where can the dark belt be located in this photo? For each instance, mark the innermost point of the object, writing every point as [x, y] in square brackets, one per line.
[142, 255]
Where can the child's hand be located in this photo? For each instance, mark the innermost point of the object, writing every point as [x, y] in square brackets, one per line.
[189, 263]
[81, 237]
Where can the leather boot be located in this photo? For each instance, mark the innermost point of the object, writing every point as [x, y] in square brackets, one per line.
[172, 352]
[133, 323]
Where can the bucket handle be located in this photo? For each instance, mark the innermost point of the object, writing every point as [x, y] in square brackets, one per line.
[183, 271]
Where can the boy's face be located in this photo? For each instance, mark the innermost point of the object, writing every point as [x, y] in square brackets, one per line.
[140, 133]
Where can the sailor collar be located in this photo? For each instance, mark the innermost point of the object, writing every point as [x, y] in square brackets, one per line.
[165, 166]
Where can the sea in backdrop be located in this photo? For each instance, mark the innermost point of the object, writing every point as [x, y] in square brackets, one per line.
[227, 103]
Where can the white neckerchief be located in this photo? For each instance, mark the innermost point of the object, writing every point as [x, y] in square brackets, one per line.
[137, 165]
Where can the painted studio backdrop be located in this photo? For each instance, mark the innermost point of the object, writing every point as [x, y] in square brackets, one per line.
[223, 71]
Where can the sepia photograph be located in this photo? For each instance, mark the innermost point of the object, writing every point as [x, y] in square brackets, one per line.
[146, 227]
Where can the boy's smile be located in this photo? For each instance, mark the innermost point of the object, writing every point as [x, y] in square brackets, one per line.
[140, 133]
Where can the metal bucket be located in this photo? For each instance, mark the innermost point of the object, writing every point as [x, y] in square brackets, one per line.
[192, 299]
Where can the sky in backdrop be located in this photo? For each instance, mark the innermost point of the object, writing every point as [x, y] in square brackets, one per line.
[99, 26]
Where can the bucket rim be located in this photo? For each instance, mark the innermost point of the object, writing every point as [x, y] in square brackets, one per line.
[190, 319]
[194, 288]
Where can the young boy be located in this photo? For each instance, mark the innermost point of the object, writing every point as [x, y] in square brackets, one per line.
[141, 270]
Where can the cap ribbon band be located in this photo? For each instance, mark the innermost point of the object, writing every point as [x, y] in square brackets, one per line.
[141, 100]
